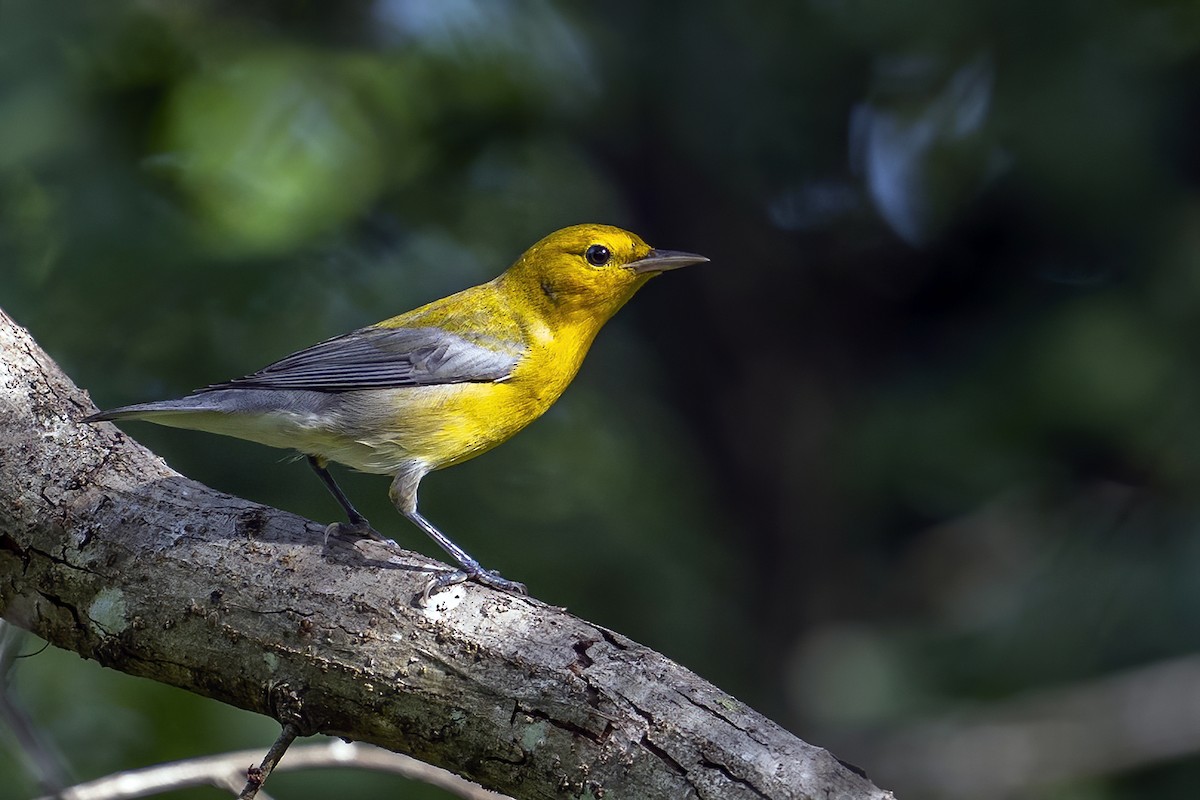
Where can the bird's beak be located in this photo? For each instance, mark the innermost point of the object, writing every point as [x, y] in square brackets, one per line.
[657, 261]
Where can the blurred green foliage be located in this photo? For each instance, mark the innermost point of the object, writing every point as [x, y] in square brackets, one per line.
[924, 437]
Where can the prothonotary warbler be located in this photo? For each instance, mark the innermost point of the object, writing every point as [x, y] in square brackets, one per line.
[435, 386]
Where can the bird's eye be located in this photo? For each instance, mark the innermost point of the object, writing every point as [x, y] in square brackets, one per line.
[597, 255]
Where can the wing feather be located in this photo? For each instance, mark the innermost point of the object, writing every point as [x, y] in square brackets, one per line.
[379, 358]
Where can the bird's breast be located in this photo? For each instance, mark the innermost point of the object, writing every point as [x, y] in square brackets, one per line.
[443, 425]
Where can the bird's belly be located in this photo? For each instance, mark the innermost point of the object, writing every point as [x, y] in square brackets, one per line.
[436, 426]
[310, 433]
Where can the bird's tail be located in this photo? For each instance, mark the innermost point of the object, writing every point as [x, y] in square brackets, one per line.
[289, 419]
[149, 411]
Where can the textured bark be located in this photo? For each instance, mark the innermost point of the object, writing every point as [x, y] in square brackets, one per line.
[106, 551]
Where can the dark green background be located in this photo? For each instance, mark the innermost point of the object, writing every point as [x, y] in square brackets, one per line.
[923, 438]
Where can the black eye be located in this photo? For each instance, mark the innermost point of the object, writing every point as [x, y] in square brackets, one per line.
[597, 255]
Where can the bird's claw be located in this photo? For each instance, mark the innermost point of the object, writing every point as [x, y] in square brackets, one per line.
[360, 529]
[488, 577]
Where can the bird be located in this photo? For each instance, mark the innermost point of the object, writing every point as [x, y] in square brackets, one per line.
[435, 386]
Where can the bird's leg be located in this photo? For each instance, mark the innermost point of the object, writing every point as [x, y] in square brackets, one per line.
[358, 526]
[469, 568]
[404, 495]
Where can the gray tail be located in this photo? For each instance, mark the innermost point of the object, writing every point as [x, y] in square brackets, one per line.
[220, 402]
[149, 410]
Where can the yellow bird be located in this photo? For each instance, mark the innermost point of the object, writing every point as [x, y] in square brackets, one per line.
[437, 385]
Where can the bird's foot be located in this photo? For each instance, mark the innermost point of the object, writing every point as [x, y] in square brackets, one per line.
[487, 577]
[356, 529]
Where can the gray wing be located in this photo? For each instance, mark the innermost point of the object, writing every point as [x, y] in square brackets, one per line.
[381, 358]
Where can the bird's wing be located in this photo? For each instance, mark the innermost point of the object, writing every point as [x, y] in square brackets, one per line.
[381, 358]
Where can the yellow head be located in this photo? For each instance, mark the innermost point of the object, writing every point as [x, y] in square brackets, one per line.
[587, 272]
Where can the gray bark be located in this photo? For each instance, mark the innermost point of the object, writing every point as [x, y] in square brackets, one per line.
[107, 552]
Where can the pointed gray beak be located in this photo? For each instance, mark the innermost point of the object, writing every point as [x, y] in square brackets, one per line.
[662, 260]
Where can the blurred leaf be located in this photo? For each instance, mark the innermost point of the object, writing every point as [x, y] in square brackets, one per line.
[272, 149]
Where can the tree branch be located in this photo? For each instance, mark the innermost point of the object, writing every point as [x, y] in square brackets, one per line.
[106, 551]
[257, 776]
[227, 770]
[1069, 734]
[41, 759]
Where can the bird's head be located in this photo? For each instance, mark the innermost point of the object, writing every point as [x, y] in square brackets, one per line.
[590, 270]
